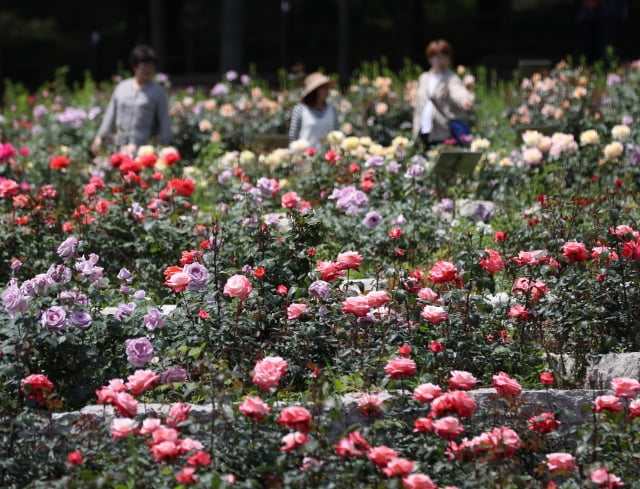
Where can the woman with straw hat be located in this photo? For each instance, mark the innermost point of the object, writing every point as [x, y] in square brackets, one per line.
[314, 117]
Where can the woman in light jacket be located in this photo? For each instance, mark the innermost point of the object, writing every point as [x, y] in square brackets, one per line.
[441, 96]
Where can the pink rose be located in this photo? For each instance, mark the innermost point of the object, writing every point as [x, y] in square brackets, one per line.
[294, 311]
[353, 445]
[574, 252]
[149, 425]
[443, 271]
[603, 478]
[290, 200]
[427, 294]
[634, 408]
[178, 413]
[165, 451]
[358, 305]
[141, 381]
[561, 461]
[536, 289]
[461, 379]
[329, 271]
[254, 408]
[381, 455]
[611, 404]
[426, 392]
[268, 372]
[400, 367]
[398, 466]
[349, 260]
[293, 440]
[505, 385]
[493, 262]
[125, 404]
[122, 427]
[418, 481]
[238, 286]
[519, 312]
[544, 423]
[377, 298]
[448, 427]
[625, 387]
[434, 314]
[458, 402]
[423, 425]
[295, 418]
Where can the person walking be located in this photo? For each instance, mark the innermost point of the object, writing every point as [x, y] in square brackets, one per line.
[138, 111]
[441, 97]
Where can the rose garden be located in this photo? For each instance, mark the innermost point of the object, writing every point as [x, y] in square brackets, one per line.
[221, 313]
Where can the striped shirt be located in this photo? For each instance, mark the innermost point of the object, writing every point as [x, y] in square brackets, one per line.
[312, 124]
[136, 114]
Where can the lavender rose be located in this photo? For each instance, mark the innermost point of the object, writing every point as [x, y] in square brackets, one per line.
[139, 351]
[153, 319]
[320, 289]
[13, 300]
[54, 318]
[198, 275]
[68, 248]
[173, 374]
[80, 320]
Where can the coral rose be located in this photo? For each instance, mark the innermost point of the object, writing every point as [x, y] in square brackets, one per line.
[238, 286]
[400, 367]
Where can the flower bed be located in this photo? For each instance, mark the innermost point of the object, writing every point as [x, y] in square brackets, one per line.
[300, 277]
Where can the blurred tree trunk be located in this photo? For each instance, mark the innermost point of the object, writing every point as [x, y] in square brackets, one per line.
[343, 43]
[157, 29]
[232, 42]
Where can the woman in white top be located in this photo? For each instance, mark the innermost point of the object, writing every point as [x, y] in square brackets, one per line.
[314, 117]
[444, 87]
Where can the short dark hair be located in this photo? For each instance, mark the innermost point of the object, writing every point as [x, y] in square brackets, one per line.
[141, 54]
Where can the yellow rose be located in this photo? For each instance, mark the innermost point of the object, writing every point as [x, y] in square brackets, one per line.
[352, 142]
[335, 137]
[531, 138]
[589, 137]
[620, 132]
[146, 149]
[299, 146]
[480, 144]
[613, 150]
[247, 156]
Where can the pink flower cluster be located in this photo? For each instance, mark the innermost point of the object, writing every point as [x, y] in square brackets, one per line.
[115, 393]
[331, 271]
[385, 458]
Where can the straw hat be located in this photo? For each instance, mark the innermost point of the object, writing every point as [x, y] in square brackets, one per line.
[313, 82]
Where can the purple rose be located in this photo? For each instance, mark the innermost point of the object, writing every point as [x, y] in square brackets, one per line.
[320, 289]
[80, 319]
[219, 89]
[13, 300]
[87, 267]
[139, 351]
[68, 248]
[124, 310]
[393, 166]
[372, 219]
[374, 162]
[198, 274]
[173, 374]
[54, 318]
[124, 274]
[153, 319]
[58, 274]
